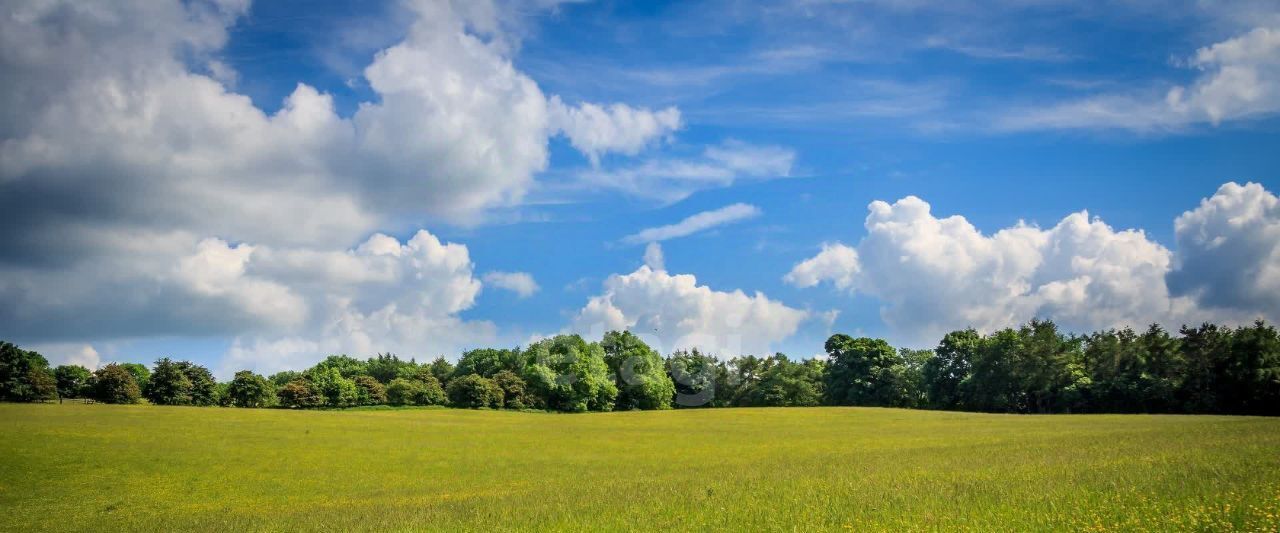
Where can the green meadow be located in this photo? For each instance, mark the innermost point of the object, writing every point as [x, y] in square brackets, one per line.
[77, 467]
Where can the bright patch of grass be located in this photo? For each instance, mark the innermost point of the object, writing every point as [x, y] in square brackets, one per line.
[100, 467]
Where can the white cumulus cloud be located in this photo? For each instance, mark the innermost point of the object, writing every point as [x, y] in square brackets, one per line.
[1228, 253]
[521, 283]
[595, 130]
[1237, 78]
[141, 195]
[674, 312]
[934, 275]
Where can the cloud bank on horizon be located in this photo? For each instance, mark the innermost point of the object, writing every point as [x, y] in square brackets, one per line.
[148, 194]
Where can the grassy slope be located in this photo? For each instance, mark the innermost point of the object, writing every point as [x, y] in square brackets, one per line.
[84, 467]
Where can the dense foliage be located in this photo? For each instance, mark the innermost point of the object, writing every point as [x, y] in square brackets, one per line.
[1035, 368]
[25, 375]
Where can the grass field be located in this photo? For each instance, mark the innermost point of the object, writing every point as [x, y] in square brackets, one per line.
[100, 467]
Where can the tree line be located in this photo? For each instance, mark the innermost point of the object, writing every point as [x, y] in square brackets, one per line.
[1035, 368]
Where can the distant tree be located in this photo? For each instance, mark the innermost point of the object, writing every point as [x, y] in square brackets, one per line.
[223, 394]
[347, 366]
[992, 384]
[1165, 369]
[168, 384]
[1111, 359]
[299, 394]
[442, 369]
[1049, 369]
[743, 377]
[73, 381]
[204, 388]
[337, 390]
[699, 379]
[24, 375]
[247, 389]
[474, 391]
[1205, 349]
[908, 378]
[514, 391]
[429, 392]
[369, 391]
[950, 365]
[386, 367]
[280, 379]
[43, 385]
[1252, 373]
[782, 383]
[639, 372]
[860, 371]
[402, 391]
[566, 373]
[114, 383]
[425, 391]
[139, 372]
[487, 362]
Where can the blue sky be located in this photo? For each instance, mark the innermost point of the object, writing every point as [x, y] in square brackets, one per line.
[242, 184]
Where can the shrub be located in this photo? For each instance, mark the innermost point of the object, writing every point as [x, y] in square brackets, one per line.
[400, 391]
[415, 392]
[514, 391]
[430, 392]
[369, 391]
[336, 390]
[299, 394]
[475, 392]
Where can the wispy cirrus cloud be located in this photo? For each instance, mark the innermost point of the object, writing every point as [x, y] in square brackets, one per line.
[1237, 79]
[695, 223]
[671, 179]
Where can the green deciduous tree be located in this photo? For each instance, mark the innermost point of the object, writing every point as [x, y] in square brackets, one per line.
[1205, 349]
[247, 389]
[280, 379]
[401, 391]
[369, 391]
[474, 391]
[113, 383]
[141, 374]
[169, 384]
[569, 374]
[1251, 375]
[951, 365]
[385, 367]
[204, 389]
[778, 382]
[442, 369]
[24, 375]
[860, 371]
[487, 362]
[299, 394]
[73, 381]
[515, 392]
[640, 374]
[347, 366]
[336, 390]
[700, 380]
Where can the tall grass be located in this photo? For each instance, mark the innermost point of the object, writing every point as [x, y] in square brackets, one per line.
[100, 467]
